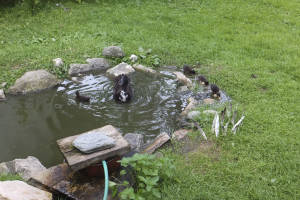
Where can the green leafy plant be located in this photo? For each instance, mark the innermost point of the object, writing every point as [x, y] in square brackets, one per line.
[147, 172]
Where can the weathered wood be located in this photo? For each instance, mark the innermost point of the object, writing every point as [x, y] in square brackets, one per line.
[158, 142]
[77, 160]
[192, 104]
[183, 79]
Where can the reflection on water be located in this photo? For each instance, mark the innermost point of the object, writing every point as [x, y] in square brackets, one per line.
[31, 124]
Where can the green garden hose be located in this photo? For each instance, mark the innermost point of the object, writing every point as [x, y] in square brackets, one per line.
[106, 179]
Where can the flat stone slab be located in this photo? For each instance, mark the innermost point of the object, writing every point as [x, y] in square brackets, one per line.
[93, 141]
[77, 160]
[76, 185]
[19, 190]
[122, 68]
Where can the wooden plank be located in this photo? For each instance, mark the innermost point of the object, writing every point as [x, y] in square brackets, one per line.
[77, 160]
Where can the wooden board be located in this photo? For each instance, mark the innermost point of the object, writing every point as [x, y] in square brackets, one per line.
[77, 160]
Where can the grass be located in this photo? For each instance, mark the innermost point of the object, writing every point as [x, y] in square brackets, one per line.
[9, 177]
[227, 41]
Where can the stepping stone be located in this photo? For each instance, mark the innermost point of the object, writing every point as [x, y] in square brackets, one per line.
[78, 160]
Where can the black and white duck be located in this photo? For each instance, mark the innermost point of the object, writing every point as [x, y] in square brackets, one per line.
[122, 91]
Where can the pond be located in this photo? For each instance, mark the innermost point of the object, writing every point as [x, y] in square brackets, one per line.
[31, 124]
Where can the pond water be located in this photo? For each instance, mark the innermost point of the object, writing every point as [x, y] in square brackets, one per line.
[31, 124]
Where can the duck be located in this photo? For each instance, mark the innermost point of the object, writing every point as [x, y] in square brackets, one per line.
[202, 80]
[187, 70]
[215, 91]
[81, 98]
[122, 91]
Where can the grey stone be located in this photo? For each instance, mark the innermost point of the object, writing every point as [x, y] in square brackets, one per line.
[180, 134]
[143, 68]
[25, 167]
[193, 114]
[98, 63]
[33, 81]
[133, 58]
[93, 141]
[135, 141]
[208, 101]
[2, 95]
[3, 84]
[192, 104]
[183, 79]
[3, 168]
[183, 88]
[57, 62]
[122, 68]
[113, 51]
[79, 68]
[19, 190]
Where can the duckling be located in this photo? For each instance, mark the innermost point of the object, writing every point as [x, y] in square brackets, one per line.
[187, 70]
[122, 89]
[215, 91]
[81, 98]
[202, 80]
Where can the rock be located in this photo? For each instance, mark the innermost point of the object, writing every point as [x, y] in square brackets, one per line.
[160, 140]
[193, 114]
[192, 104]
[75, 69]
[33, 81]
[93, 141]
[135, 141]
[208, 101]
[57, 62]
[3, 168]
[183, 88]
[19, 190]
[2, 95]
[210, 112]
[144, 69]
[180, 134]
[25, 167]
[76, 79]
[113, 51]
[3, 84]
[98, 63]
[133, 58]
[122, 68]
[183, 79]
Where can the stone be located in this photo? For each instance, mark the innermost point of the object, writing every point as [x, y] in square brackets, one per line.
[183, 79]
[98, 63]
[3, 84]
[135, 141]
[76, 79]
[93, 141]
[57, 62]
[19, 190]
[180, 134]
[75, 69]
[25, 167]
[143, 68]
[122, 68]
[33, 81]
[192, 104]
[159, 141]
[75, 185]
[133, 58]
[78, 160]
[193, 114]
[113, 51]
[2, 95]
[208, 101]
[183, 88]
[3, 168]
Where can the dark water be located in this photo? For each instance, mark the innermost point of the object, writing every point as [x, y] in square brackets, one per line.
[31, 124]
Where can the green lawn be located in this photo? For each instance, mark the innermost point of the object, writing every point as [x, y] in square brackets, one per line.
[230, 39]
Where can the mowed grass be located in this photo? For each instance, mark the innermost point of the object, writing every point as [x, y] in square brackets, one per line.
[227, 41]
